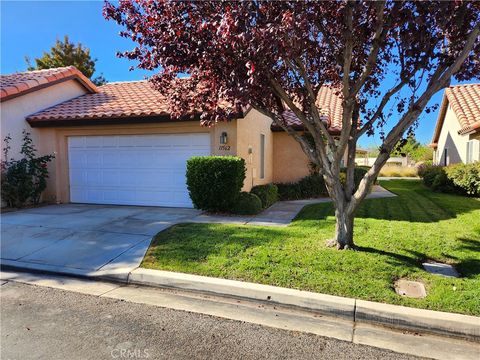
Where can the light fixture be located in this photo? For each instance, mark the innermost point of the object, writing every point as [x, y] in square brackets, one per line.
[223, 138]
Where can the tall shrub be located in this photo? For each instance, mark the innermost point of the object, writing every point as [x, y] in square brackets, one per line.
[465, 176]
[215, 182]
[24, 180]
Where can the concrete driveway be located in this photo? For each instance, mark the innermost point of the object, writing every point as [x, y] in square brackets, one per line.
[83, 239]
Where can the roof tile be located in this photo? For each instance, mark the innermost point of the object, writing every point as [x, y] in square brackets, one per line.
[329, 102]
[20, 83]
[465, 102]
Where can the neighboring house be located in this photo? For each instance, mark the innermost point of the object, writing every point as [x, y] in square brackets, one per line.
[23, 94]
[457, 133]
[117, 144]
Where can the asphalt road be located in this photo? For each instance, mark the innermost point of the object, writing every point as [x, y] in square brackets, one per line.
[44, 323]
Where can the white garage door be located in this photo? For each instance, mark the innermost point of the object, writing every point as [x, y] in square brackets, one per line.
[133, 169]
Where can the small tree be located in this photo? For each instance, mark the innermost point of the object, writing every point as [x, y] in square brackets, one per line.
[23, 180]
[385, 59]
[65, 53]
[413, 149]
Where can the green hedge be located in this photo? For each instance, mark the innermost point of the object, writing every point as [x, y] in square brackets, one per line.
[466, 177]
[358, 174]
[458, 178]
[247, 204]
[268, 194]
[313, 186]
[214, 182]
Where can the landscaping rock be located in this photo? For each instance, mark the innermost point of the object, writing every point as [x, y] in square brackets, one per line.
[412, 289]
[440, 269]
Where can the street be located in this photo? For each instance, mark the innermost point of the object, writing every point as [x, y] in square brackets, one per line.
[45, 323]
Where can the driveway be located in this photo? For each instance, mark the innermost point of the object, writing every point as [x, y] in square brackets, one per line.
[111, 241]
[83, 239]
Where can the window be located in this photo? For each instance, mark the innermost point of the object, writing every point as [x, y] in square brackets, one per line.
[473, 151]
[445, 157]
[469, 152]
[262, 156]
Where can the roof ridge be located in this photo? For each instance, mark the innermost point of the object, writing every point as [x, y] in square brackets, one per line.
[40, 70]
[13, 85]
[124, 82]
[459, 85]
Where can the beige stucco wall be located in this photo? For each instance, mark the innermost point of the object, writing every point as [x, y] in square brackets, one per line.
[449, 138]
[55, 140]
[289, 161]
[14, 111]
[249, 130]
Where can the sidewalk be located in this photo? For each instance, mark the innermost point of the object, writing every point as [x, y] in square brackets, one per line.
[282, 212]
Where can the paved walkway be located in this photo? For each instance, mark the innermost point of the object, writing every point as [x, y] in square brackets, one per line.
[282, 212]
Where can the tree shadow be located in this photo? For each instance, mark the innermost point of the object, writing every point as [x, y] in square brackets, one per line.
[470, 267]
[414, 203]
[194, 242]
[415, 260]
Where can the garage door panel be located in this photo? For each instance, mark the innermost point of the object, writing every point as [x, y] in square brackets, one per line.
[133, 169]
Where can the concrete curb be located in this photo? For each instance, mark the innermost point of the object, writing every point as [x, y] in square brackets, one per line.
[116, 275]
[418, 320]
[325, 304]
[359, 311]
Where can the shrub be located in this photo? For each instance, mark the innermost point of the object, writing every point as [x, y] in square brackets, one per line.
[24, 180]
[214, 182]
[358, 175]
[400, 171]
[268, 194]
[466, 177]
[441, 183]
[247, 204]
[428, 174]
[311, 186]
[436, 178]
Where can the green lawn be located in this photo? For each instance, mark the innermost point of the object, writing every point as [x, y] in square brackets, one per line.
[394, 235]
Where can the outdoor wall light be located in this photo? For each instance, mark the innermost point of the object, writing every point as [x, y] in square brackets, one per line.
[223, 138]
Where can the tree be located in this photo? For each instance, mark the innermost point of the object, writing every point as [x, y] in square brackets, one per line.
[413, 149]
[276, 56]
[65, 53]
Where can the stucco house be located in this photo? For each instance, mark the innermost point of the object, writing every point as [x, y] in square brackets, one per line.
[457, 134]
[117, 144]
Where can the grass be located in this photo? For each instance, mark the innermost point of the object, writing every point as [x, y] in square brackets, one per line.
[401, 171]
[395, 236]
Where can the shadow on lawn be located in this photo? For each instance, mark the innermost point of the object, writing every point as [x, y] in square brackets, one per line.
[467, 268]
[422, 206]
[177, 244]
[414, 260]
[470, 267]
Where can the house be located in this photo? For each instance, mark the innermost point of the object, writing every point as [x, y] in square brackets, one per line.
[457, 133]
[26, 93]
[117, 144]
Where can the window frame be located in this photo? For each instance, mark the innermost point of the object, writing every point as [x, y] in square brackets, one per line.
[263, 142]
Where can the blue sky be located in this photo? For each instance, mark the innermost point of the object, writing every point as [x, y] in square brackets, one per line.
[30, 27]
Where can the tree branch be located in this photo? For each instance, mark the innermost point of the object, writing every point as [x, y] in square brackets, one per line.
[435, 84]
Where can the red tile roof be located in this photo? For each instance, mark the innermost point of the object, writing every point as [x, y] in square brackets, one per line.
[112, 102]
[465, 102]
[123, 101]
[17, 84]
[329, 102]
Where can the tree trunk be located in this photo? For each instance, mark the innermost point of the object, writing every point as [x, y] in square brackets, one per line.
[344, 229]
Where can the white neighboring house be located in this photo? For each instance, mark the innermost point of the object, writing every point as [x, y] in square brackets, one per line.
[22, 94]
[457, 133]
